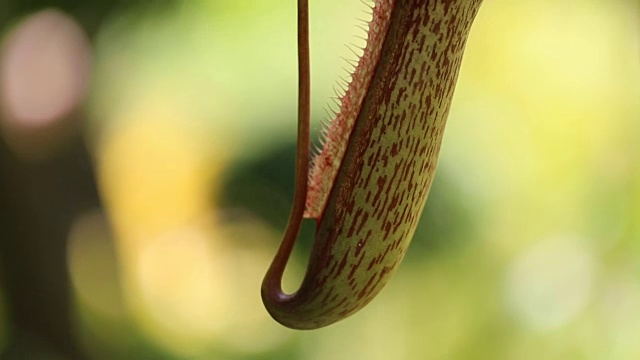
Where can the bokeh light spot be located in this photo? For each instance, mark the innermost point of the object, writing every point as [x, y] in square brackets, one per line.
[551, 283]
[93, 265]
[44, 69]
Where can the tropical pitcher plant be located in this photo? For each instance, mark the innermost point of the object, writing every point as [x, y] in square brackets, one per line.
[369, 183]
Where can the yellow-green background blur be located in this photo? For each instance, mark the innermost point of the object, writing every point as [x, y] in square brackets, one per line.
[529, 247]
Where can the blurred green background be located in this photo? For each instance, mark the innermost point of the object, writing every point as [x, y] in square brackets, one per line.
[146, 163]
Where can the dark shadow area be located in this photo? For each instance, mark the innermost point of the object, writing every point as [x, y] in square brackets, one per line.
[38, 203]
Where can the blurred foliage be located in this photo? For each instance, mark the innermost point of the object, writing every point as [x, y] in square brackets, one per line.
[90, 14]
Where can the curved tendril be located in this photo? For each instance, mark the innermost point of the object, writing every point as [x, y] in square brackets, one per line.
[272, 284]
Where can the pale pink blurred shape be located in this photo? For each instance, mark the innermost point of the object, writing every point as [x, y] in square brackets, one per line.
[44, 69]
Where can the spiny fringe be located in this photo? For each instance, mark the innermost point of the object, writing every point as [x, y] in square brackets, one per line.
[343, 109]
